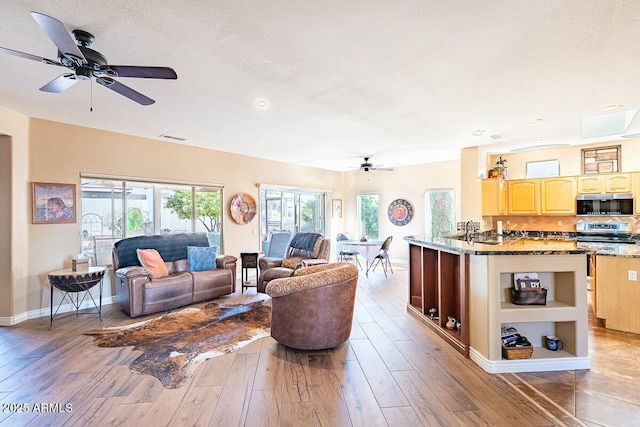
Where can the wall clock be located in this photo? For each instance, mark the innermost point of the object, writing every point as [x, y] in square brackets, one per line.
[400, 212]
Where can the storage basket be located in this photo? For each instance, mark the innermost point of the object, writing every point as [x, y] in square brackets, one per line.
[530, 296]
[514, 353]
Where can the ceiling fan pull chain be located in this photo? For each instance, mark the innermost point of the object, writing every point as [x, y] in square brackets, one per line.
[91, 85]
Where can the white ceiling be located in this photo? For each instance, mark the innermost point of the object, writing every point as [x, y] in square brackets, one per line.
[405, 82]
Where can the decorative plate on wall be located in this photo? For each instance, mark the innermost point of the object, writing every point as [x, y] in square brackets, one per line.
[400, 212]
[243, 208]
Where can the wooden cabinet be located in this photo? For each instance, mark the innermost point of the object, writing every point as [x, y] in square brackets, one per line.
[438, 279]
[494, 197]
[608, 183]
[617, 297]
[589, 184]
[558, 196]
[635, 187]
[523, 197]
[617, 183]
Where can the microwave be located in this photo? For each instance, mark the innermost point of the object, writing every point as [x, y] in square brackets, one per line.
[604, 204]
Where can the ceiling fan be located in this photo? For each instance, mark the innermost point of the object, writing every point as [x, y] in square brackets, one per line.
[84, 62]
[366, 166]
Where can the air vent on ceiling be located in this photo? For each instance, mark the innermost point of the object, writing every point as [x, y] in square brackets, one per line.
[497, 136]
[175, 138]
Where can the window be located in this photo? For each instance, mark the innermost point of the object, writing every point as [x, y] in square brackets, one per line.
[440, 213]
[114, 209]
[368, 215]
[291, 210]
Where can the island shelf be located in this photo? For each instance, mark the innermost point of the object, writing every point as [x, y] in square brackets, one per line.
[473, 283]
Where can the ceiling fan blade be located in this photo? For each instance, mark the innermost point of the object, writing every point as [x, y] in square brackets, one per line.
[60, 83]
[381, 169]
[124, 90]
[59, 35]
[29, 56]
[141, 72]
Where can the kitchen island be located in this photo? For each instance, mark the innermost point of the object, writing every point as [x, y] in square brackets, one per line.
[615, 285]
[471, 282]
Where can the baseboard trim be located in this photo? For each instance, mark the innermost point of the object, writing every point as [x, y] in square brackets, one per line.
[46, 312]
[529, 365]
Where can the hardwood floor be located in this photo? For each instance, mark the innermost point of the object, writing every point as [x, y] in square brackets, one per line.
[393, 371]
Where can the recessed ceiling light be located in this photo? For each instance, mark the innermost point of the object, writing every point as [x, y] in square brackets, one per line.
[541, 138]
[478, 132]
[612, 107]
[261, 103]
[535, 121]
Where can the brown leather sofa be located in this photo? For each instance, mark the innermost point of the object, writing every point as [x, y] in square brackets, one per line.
[301, 246]
[138, 293]
[313, 309]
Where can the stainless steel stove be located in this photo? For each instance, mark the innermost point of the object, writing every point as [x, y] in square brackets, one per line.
[604, 232]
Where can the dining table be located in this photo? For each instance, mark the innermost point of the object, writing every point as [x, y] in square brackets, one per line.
[368, 250]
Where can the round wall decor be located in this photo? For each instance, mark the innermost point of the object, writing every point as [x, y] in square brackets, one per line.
[243, 208]
[400, 212]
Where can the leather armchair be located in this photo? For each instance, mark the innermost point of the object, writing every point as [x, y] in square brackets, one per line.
[274, 268]
[313, 309]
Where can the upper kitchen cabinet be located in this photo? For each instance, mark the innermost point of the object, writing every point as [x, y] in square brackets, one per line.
[617, 183]
[558, 196]
[494, 197]
[609, 183]
[589, 184]
[523, 197]
[635, 186]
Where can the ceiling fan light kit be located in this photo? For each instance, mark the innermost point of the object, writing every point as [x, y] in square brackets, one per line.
[86, 63]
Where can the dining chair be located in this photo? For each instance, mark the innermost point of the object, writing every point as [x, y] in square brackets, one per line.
[383, 257]
[347, 256]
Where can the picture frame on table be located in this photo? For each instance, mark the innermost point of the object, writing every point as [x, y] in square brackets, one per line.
[53, 203]
[336, 208]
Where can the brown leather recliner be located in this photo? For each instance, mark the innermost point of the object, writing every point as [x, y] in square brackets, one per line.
[302, 246]
[313, 309]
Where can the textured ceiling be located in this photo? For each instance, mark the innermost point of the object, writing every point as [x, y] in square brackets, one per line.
[405, 82]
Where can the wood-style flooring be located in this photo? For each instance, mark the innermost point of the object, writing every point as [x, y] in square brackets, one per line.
[393, 371]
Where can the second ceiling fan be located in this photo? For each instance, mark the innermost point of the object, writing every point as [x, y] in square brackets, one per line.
[367, 166]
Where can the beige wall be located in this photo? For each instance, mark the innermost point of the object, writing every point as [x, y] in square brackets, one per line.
[5, 219]
[17, 193]
[44, 151]
[569, 158]
[409, 183]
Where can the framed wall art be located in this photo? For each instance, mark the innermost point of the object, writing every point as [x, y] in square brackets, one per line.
[53, 203]
[601, 160]
[336, 208]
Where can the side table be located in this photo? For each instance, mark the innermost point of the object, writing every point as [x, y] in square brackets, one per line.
[69, 281]
[249, 260]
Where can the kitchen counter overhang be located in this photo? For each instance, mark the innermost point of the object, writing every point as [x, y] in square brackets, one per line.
[505, 247]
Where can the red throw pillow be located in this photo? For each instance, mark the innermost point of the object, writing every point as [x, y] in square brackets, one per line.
[152, 261]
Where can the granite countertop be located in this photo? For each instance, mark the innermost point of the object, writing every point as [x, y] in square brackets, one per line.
[508, 246]
[614, 249]
[488, 244]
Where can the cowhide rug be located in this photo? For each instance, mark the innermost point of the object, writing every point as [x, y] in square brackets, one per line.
[174, 344]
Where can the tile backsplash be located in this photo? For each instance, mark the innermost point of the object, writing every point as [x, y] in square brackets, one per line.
[556, 223]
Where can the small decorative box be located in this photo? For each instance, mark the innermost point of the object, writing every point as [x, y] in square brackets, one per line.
[79, 264]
